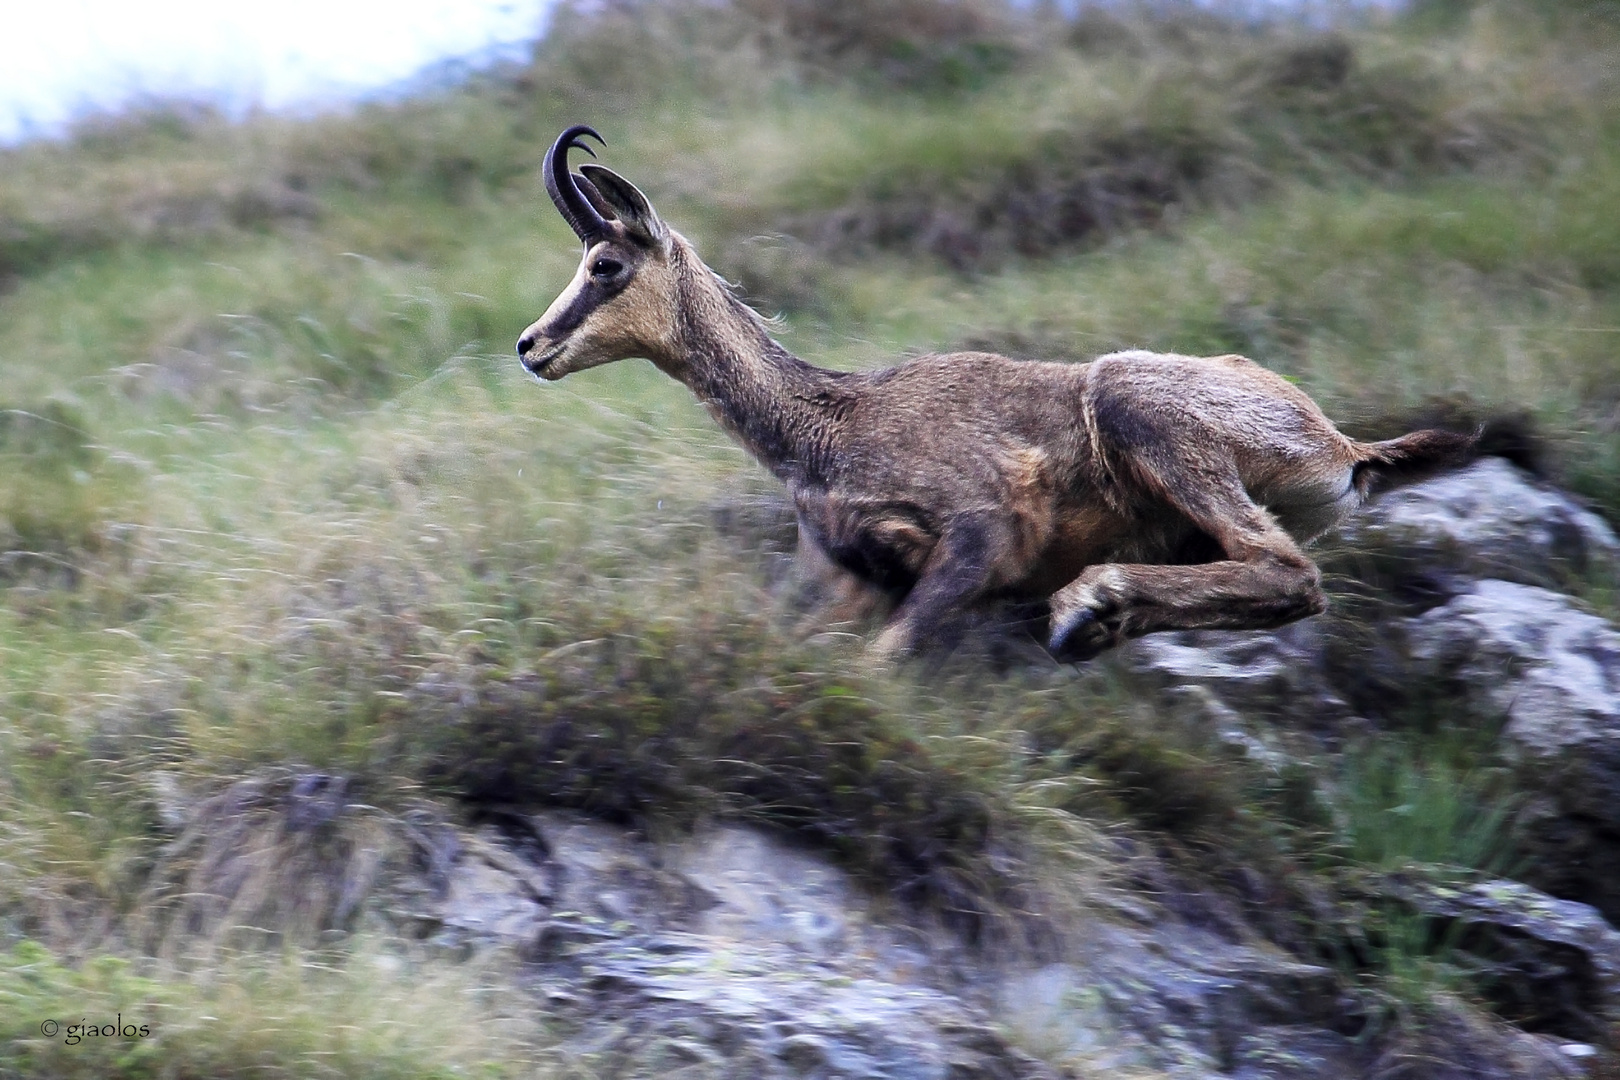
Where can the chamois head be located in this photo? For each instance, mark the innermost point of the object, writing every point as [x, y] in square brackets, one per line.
[622, 300]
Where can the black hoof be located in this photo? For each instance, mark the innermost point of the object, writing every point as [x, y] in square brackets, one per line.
[1081, 638]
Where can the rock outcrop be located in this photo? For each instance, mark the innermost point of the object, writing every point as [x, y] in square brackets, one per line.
[1490, 520]
[1550, 669]
[737, 954]
[1550, 672]
[729, 955]
[1560, 957]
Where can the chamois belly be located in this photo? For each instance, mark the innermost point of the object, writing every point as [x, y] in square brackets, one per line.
[885, 545]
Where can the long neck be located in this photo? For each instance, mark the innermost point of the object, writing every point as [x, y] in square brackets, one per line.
[782, 410]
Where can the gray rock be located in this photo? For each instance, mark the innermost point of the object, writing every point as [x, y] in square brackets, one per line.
[733, 954]
[1186, 1001]
[1489, 520]
[770, 958]
[1552, 671]
[1233, 674]
[1455, 1042]
[743, 955]
[1550, 668]
[768, 1012]
[1530, 940]
[492, 896]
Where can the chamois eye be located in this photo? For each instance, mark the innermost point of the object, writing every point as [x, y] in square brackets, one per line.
[602, 269]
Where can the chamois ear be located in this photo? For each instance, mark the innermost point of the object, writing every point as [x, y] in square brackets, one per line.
[594, 197]
[629, 205]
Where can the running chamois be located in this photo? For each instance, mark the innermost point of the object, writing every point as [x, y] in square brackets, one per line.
[1135, 493]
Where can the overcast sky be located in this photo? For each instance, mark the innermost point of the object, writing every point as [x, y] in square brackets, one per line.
[60, 58]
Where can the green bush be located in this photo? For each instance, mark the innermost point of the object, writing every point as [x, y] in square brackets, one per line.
[660, 727]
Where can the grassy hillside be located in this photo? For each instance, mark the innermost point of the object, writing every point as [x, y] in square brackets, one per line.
[271, 479]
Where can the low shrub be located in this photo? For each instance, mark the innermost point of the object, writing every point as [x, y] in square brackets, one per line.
[660, 728]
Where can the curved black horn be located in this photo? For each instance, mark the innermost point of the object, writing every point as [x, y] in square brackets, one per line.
[581, 216]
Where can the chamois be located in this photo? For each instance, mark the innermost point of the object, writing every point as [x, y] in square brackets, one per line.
[1137, 492]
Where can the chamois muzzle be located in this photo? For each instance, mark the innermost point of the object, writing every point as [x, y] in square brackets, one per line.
[572, 204]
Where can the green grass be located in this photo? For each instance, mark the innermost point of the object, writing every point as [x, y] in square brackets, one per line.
[1400, 805]
[271, 481]
[370, 1016]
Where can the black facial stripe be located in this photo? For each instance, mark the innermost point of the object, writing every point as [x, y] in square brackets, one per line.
[592, 296]
[568, 320]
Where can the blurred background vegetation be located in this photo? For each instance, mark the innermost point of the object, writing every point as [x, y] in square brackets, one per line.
[274, 491]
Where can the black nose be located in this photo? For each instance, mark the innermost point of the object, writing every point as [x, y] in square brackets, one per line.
[525, 343]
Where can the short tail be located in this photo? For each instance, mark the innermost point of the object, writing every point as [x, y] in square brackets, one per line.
[1411, 458]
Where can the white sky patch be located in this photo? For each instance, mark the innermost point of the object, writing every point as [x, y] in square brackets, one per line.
[63, 58]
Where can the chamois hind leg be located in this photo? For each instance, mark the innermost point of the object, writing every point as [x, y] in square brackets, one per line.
[1265, 581]
[963, 565]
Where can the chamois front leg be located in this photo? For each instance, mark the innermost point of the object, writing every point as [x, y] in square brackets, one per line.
[962, 567]
[838, 599]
